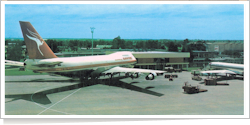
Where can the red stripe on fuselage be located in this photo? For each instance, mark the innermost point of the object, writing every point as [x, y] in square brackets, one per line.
[84, 66]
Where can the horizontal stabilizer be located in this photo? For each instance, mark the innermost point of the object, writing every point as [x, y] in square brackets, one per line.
[13, 63]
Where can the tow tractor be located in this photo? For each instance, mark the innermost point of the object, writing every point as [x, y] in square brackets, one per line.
[192, 89]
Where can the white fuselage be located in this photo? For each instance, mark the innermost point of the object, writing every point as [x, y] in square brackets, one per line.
[227, 65]
[237, 68]
[69, 64]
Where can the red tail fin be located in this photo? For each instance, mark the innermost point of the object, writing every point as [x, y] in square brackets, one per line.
[37, 48]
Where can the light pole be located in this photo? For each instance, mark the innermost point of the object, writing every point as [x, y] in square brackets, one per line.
[92, 31]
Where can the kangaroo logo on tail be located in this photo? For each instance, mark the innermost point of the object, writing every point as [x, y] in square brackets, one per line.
[36, 39]
[37, 48]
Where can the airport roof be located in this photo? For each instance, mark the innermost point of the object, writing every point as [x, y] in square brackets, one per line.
[156, 54]
[196, 51]
[232, 42]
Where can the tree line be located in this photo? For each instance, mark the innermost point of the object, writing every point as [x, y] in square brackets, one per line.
[14, 50]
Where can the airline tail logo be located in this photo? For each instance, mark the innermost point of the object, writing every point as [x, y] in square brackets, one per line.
[37, 48]
[36, 39]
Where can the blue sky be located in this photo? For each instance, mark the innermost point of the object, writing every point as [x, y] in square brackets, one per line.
[129, 21]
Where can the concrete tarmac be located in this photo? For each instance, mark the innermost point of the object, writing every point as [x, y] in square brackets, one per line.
[53, 95]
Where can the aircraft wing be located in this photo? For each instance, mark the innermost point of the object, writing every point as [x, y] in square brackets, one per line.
[211, 72]
[48, 64]
[13, 63]
[132, 70]
[237, 71]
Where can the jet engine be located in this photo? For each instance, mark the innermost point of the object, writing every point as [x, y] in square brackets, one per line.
[151, 76]
[127, 74]
[135, 75]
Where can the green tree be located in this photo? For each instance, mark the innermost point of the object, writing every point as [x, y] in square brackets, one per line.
[172, 47]
[6, 42]
[139, 44]
[129, 44]
[187, 48]
[73, 44]
[199, 45]
[118, 43]
[87, 44]
[14, 52]
[81, 44]
[60, 43]
[152, 44]
[53, 44]
[185, 45]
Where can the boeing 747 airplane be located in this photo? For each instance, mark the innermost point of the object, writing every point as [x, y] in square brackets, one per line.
[225, 68]
[42, 59]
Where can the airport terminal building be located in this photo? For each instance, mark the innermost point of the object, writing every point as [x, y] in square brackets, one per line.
[160, 60]
[214, 53]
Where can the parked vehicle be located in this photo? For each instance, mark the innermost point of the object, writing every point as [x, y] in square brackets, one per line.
[196, 77]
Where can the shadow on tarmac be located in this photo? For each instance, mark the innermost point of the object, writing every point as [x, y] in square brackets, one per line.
[41, 97]
[226, 78]
[38, 98]
[46, 80]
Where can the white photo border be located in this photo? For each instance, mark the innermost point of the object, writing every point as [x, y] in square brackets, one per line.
[246, 60]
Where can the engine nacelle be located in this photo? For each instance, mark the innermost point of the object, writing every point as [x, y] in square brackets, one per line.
[127, 74]
[151, 76]
[135, 75]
